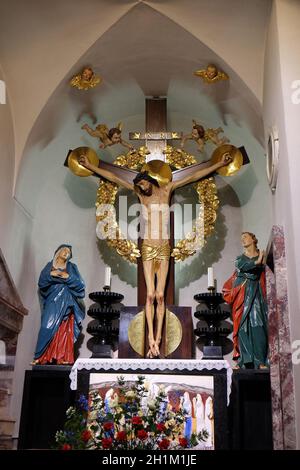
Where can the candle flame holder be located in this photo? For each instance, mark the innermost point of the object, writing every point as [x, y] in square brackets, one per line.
[104, 330]
[213, 314]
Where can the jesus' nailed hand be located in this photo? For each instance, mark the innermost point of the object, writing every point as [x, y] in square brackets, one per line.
[156, 245]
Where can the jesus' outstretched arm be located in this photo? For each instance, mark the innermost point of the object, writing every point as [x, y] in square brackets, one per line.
[201, 172]
[106, 173]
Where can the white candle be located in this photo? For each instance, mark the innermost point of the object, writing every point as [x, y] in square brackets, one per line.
[211, 280]
[107, 276]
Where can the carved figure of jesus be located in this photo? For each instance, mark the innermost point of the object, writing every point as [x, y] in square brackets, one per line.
[155, 201]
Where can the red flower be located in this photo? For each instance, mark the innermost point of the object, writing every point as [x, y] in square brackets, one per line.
[121, 436]
[136, 420]
[108, 426]
[164, 444]
[142, 434]
[86, 435]
[160, 427]
[183, 442]
[107, 442]
[66, 447]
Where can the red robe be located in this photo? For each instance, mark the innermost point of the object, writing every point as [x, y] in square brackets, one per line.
[234, 296]
[61, 347]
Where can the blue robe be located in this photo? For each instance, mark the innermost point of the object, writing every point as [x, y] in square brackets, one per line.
[59, 298]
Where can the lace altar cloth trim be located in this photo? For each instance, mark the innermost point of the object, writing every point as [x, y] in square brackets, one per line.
[121, 365]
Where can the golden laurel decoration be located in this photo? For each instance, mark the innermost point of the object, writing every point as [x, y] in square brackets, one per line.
[205, 222]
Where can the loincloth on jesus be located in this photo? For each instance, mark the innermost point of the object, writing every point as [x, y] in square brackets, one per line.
[156, 253]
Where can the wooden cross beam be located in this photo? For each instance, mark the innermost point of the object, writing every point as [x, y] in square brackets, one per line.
[156, 135]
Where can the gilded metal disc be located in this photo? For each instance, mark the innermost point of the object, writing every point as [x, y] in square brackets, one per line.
[136, 333]
[159, 170]
[237, 159]
[73, 160]
[173, 332]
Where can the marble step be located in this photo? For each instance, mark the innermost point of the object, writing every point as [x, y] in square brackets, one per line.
[6, 427]
[6, 384]
[5, 397]
[6, 374]
[6, 443]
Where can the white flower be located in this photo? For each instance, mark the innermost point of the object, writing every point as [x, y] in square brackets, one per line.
[130, 394]
[59, 435]
[70, 412]
[170, 423]
[93, 415]
[151, 404]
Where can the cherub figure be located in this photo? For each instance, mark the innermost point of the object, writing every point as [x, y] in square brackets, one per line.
[213, 136]
[197, 134]
[107, 136]
[211, 74]
[86, 79]
[201, 136]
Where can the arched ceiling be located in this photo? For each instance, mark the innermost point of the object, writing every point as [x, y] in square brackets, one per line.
[150, 43]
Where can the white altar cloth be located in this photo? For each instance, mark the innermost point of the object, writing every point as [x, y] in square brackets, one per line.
[122, 365]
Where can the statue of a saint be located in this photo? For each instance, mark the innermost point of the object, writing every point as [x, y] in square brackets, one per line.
[154, 195]
[245, 291]
[60, 287]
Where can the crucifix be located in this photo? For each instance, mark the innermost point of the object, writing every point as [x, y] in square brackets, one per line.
[155, 262]
[155, 267]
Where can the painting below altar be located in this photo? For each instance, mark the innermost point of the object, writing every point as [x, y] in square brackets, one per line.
[163, 411]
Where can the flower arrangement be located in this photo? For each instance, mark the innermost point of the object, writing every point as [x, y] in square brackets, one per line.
[129, 419]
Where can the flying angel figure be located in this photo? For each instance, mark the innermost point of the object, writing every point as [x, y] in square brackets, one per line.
[211, 74]
[197, 134]
[107, 136]
[86, 79]
[201, 136]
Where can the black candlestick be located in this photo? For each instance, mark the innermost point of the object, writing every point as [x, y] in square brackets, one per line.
[105, 311]
[213, 335]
